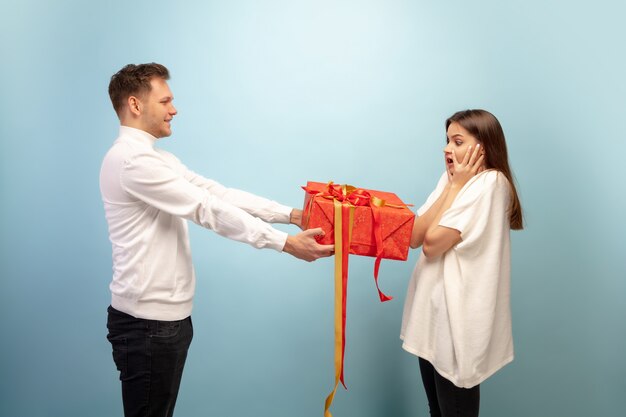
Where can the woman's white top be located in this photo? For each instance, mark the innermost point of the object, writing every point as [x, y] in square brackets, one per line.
[457, 312]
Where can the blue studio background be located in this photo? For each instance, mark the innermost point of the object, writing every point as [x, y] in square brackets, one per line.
[271, 94]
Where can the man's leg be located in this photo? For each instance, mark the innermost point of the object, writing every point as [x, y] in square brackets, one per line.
[150, 356]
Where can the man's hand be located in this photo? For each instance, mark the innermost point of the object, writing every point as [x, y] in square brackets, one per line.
[304, 246]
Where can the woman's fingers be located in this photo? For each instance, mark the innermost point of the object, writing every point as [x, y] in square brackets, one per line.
[468, 156]
[475, 155]
[476, 159]
[477, 167]
[472, 161]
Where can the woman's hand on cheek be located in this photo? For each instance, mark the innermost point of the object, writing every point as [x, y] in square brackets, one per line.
[471, 165]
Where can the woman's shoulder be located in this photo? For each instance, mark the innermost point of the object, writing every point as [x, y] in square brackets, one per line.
[491, 177]
[488, 182]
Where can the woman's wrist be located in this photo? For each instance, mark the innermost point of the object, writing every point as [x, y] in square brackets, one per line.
[455, 187]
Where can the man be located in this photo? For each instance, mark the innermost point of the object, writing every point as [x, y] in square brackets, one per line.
[148, 197]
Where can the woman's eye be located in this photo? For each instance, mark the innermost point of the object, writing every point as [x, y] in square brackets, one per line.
[458, 143]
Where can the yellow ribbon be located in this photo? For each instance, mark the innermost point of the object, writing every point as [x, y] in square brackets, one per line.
[343, 235]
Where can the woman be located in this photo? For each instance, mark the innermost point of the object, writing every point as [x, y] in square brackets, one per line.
[457, 316]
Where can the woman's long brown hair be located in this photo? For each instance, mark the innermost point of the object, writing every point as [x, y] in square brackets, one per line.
[487, 130]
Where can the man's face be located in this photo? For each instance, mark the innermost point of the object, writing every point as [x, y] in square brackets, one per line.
[157, 109]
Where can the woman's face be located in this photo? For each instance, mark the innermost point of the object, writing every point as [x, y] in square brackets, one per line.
[459, 140]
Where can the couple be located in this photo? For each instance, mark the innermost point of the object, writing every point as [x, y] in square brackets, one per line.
[456, 317]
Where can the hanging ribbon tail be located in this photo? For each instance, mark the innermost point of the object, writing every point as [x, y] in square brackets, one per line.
[346, 236]
[383, 297]
[378, 233]
[342, 250]
[329, 401]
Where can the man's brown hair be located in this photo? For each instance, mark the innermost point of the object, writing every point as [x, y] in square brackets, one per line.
[133, 80]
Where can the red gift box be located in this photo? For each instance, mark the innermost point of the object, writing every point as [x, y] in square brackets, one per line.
[396, 221]
[367, 222]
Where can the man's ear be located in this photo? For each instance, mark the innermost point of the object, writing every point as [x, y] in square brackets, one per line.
[134, 105]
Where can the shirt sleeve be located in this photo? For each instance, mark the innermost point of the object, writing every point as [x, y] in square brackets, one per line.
[470, 212]
[267, 210]
[154, 179]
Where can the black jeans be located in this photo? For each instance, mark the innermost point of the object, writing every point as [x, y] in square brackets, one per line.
[150, 356]
[446, 399]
